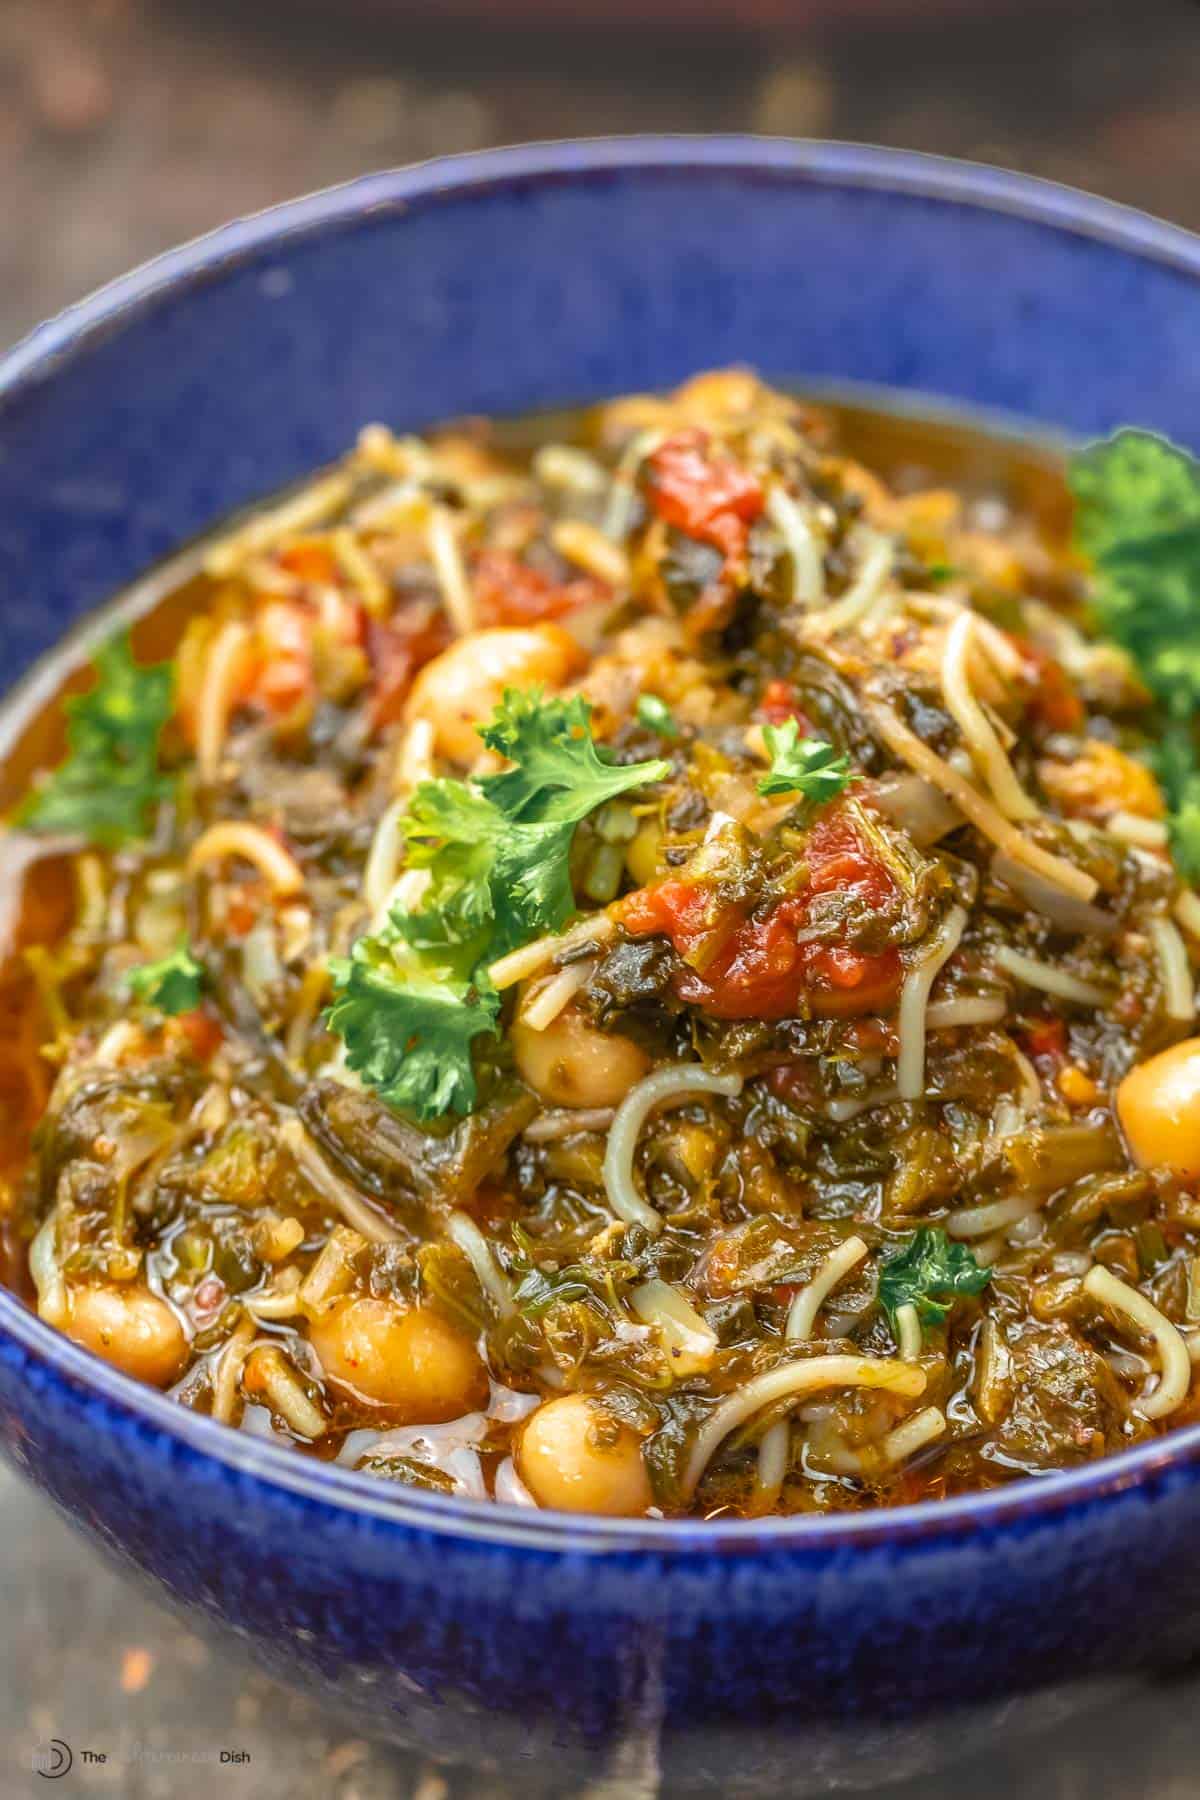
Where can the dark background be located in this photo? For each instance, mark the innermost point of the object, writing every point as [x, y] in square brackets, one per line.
[128, 125]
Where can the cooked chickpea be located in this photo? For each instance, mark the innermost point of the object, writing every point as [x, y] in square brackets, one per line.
[460, 689]
[572, 1455]
[131, 1328]
[408, 1359]
[1158, 1104]
[570, 1063]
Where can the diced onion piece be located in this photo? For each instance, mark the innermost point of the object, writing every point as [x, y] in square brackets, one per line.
[690, 1342]
[985, 747]
[1175, 1364]
[383, 858]
[229, 1371]
[908, 1332]
[618, 514]
[564, 466]
[772, 1464]
[915, 805]
[985, 817]
[447, 561]
[980, 1221]
[268, 1369]
[463, 1232]
[414, 758]
[45, 1270]
[802, 1314]
[222, 672]
[333, 1272]
[362, 571]
[238, 837]
[864, 591]
[912, 1435]
[542, 1008]
[530, 959]
[330, 1186]
[1179, 987]
[589, 549]
[1148, 834]
[632, 1114]
[788, 518]
[566, 1122]
[1035, 974]
[914, 998]
[1187, 911]
[965, 1009]
[1063, 910]
[792, 1381]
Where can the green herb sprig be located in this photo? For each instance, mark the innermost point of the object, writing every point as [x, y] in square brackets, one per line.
[930, 1272]
[109, 784]
[412, 998]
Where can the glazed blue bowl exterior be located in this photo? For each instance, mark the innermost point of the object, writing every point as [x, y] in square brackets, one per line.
[785, 1656]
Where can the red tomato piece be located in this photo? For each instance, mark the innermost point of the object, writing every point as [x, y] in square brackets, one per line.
[1054, 703]
[397, 650]
[763, 966]
[202, 1032]
[509, 592]
[711, 498]
[779, 703]
[1046, 1037]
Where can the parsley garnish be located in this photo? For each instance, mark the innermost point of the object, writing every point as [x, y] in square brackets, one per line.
[657, 716]
[806, 766]
[109, 783]
[929, 1273]
[1137, 516]
[413, 997]
[173, 984]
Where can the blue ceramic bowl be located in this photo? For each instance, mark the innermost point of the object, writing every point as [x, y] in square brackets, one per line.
[781, 1656]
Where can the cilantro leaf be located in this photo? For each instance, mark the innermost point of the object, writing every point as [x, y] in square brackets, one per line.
[487, 874]
[408, 1026]
[109, 783]
[1137, 516]
[455, 833]
[806, 766]
[411, 999]
[928, 1273]
[656, 715]
[173, 984]
[559, 777]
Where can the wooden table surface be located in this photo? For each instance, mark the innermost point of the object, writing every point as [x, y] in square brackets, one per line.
[128, 125]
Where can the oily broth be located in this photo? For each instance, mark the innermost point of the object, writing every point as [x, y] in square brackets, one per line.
[999, 472]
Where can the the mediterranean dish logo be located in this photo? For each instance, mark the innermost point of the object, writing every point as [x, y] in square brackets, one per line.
[55, 1758]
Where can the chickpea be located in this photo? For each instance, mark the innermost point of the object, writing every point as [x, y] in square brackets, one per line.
[1158, 1104]
[570, 1063]
[461, 688]
[405, 1358]
[131, 1328]
[573, 1456]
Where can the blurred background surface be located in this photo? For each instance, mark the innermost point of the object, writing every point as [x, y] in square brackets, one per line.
[128, 125]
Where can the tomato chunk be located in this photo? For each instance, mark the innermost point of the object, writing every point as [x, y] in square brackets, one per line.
[1054, 704]
[510, 592]
[762, 964]
[708, 497]
[779, 703]
[397, 650]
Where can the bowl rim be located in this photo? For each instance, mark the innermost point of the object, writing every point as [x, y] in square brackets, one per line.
[33, 360]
